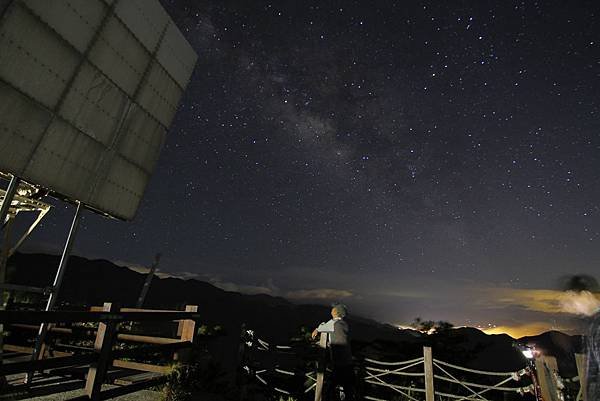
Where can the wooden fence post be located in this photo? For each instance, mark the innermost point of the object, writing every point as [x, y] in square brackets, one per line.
[187, 332]
[321, 367]
[581, 361]
[546, 367]
[105, 339]
[428, 362]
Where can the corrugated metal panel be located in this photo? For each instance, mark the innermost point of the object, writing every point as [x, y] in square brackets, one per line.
[120, 56]
[95, 105]
[159, 95]
[76, 21]
[145, 18]
[65, 160]
[32, 59]
[177, 56]
[122, 189]
[69, 124]
[21, 126]
[142, 139]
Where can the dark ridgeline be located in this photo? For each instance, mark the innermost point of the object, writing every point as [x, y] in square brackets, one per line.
[92, 282]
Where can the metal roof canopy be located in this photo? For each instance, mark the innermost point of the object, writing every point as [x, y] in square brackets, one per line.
[88, 90]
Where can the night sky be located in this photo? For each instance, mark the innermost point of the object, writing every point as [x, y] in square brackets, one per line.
[432, 159]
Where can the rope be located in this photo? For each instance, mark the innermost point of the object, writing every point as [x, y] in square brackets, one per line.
[402, 368]
[281, 391]
[394, 363]
[263, 381]
[463, 397]
[394, 386]
[393, 372]
[459, 382]
[496, 387]
[481, 372]
[310, 388]
[284, 372]
[368, 397]
[397, 388]
[454, 396]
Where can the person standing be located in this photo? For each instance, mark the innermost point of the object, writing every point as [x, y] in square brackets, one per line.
[581, 298]
[338, 342]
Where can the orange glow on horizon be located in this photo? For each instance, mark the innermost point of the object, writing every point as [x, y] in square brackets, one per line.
[524, 330]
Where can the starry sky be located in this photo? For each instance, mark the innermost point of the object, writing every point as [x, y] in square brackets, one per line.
[432, 159]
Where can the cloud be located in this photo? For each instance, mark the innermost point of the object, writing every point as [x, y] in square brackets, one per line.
[319, 293]
[268, 288]
[184, 275]
[537, 300]
[416, 294]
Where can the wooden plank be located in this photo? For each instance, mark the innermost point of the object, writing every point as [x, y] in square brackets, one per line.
[429, 389]
[321, 368]
[99, 309]
[144, 367]
[137, 378]
[18, 348]
[546, 367]
[36, 317]
[147, 339]
[121, 336]
[44, 364]
[105, 338]
[581, 361]
[188, 332]
[53, 329]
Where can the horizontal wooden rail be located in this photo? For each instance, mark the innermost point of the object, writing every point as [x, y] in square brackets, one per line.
[43, 364]
[136, 338]
[29, 350]
[144, 367]
[36, 317]
[99, 309]
[53, 329]
[145, 350]
[24, 288]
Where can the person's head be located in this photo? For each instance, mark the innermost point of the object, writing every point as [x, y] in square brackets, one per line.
[579, 297]
[338, 311]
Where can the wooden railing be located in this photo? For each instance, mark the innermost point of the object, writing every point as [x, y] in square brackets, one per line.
[102, 356]
[424, 378]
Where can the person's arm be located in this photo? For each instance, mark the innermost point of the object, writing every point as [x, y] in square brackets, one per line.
[327, 327]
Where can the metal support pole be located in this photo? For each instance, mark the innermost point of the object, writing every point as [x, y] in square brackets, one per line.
[3, 301]
[37, 351]
[4, 209]
[32, 227]
[8, 197]
[146, 287]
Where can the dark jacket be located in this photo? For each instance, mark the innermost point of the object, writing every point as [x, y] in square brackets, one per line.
[339, 344]
[593, 357]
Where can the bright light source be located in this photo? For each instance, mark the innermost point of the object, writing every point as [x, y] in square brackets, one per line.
[527, 353]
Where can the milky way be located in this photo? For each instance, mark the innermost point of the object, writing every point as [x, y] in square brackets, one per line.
[405, 158]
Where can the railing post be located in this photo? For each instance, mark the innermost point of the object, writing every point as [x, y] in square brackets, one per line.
[241, 379]
[321, 367]
[428, 362]
[546, 369]
[581, 361]
[187, 332]
[105, 339]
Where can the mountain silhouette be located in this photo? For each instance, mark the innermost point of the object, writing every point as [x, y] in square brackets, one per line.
[275, 319]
